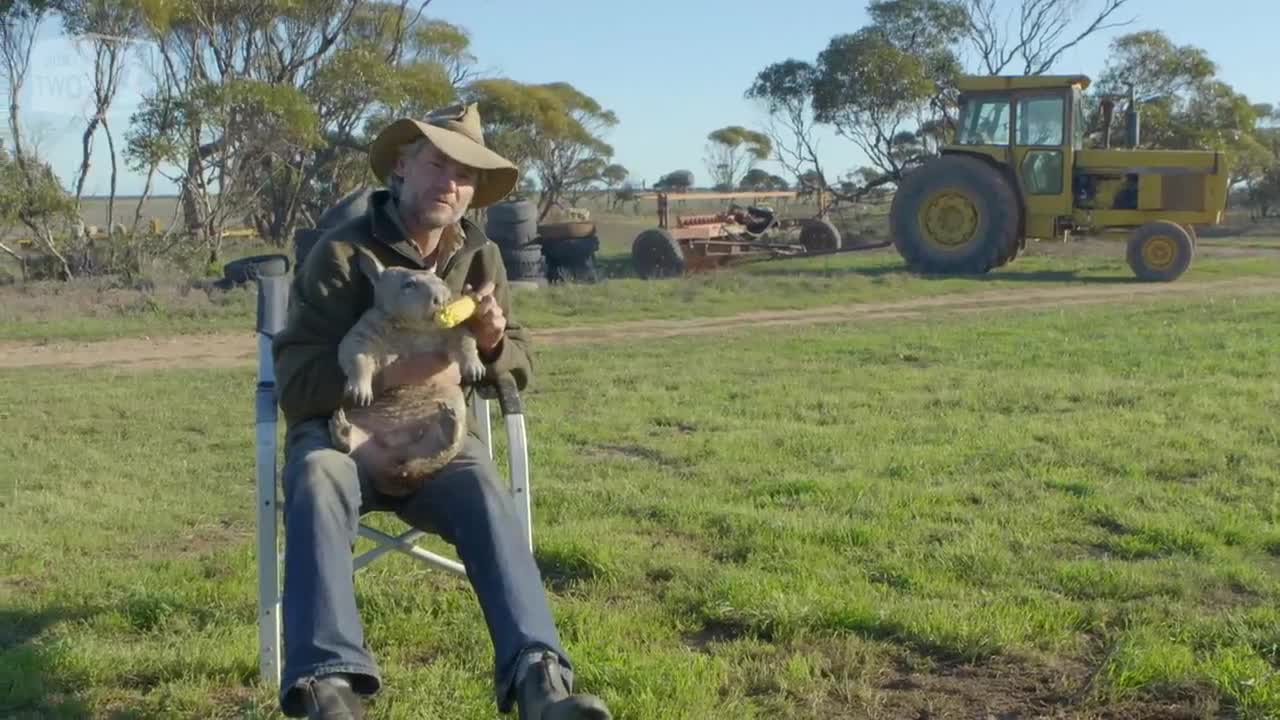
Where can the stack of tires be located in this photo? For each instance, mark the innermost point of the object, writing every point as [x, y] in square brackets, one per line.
[349, 207]
[569, 249]
[513, 227]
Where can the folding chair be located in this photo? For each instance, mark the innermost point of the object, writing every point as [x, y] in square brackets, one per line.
[273, 297]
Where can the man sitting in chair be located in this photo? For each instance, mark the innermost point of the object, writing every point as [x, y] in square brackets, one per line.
[435, 171]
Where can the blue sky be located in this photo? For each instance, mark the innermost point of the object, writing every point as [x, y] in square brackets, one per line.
[672, 71]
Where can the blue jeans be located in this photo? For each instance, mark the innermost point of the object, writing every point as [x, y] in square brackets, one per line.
[466, 504]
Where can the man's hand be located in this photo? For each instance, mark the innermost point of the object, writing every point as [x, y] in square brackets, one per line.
[416, 369]
[488, 323]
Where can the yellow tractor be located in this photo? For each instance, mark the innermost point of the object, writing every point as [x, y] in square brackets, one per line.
[1018, 169]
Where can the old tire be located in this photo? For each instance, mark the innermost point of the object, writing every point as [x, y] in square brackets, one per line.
[572, 259]
[820, 235]
[513, 236]
[655, 253]
[350, 206]
[566, 230]
[303, 240]
[512, 224]
[246, 269]
[955, 215]
[512, 212]
[1160, 251]
[524, 264]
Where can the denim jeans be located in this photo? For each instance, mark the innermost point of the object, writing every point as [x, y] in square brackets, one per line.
[466, 503]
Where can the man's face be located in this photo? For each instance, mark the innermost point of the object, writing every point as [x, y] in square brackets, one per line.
[437, 191]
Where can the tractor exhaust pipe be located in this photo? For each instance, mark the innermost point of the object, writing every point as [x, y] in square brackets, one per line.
[1133, 121]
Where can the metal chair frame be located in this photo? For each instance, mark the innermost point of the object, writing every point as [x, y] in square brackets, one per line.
[273, 298]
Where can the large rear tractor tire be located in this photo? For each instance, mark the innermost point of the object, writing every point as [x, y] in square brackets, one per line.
[955, 215]
[656, 253]
[1160, 251]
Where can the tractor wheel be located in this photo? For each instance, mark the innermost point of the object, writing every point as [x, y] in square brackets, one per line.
[955, 215]
[820, 235]
[1160, 251]
[656, 253]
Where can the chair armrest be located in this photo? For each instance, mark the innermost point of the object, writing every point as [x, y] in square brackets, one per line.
[502, 388]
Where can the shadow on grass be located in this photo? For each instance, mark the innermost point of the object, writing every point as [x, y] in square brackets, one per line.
[38, 679]
[1030, 276]
[30, 683]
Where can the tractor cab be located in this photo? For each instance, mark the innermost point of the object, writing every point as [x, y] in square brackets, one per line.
[1031, 126]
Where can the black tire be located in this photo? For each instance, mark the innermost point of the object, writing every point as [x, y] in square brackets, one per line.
[975, 206]
[303, 240]
[512, 212]
[512, 235]
[524, 264]
[579, 271]
[1160, 251]
[350, 206]
[571, 260]
[656, 253]
[246, 269]
[820, 235]
[566, 230]
[570, 251]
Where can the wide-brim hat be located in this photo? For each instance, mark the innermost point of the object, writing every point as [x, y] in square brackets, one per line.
[455, 131]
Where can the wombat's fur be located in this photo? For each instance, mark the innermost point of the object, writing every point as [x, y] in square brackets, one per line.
[409, 432]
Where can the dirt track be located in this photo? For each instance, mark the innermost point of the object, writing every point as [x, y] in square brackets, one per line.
[240, 349]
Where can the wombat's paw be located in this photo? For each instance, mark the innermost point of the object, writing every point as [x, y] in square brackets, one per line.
[340, 431]
[360, 392]
[472, 369]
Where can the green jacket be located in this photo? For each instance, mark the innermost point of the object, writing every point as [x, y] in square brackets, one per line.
[329, 293]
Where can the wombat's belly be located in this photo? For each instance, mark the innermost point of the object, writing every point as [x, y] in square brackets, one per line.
[407, 434]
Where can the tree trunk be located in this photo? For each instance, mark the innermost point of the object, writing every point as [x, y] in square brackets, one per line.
[111, 195]
[46, 238]
[87, 152]
[22, 262]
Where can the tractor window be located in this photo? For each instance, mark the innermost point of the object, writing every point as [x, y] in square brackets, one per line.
[984, 121]
[1042, 121]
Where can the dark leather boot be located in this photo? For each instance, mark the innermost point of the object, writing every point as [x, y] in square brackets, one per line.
[331, 697]
[544, 696]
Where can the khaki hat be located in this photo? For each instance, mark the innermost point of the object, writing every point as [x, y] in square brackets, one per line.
[455, 131]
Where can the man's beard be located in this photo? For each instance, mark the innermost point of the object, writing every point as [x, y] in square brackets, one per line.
[430, 215]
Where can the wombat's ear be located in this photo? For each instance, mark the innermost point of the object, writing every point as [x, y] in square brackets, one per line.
[370, 266]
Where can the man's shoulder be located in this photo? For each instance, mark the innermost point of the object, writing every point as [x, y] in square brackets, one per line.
[340, 243]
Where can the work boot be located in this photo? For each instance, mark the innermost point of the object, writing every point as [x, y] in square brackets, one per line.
[331, 697]
[543, 695]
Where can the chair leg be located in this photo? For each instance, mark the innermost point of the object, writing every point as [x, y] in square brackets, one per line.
[404, 544]
[518, 459]
[267, 523]
[481, 408]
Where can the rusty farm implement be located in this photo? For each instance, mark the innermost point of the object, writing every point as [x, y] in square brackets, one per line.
[698, 242]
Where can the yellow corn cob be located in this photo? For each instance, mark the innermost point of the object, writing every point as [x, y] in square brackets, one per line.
[455, 312]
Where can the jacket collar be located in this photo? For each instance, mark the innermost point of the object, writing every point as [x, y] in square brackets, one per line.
[387, 229]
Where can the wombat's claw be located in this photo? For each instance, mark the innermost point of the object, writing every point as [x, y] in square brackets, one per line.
[361, 393]
[472, 371]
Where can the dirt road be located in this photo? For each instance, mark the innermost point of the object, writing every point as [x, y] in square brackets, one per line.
[239, 349]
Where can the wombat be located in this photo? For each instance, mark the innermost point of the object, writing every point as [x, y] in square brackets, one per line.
[409, 432]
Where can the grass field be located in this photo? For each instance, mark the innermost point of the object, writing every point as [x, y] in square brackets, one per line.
[93, 310]
[1067, 513]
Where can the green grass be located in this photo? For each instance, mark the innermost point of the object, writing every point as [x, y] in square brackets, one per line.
[82, 312]
[833, 523]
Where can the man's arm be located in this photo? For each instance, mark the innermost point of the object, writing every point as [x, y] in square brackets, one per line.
[324, 304]
[512, 354]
